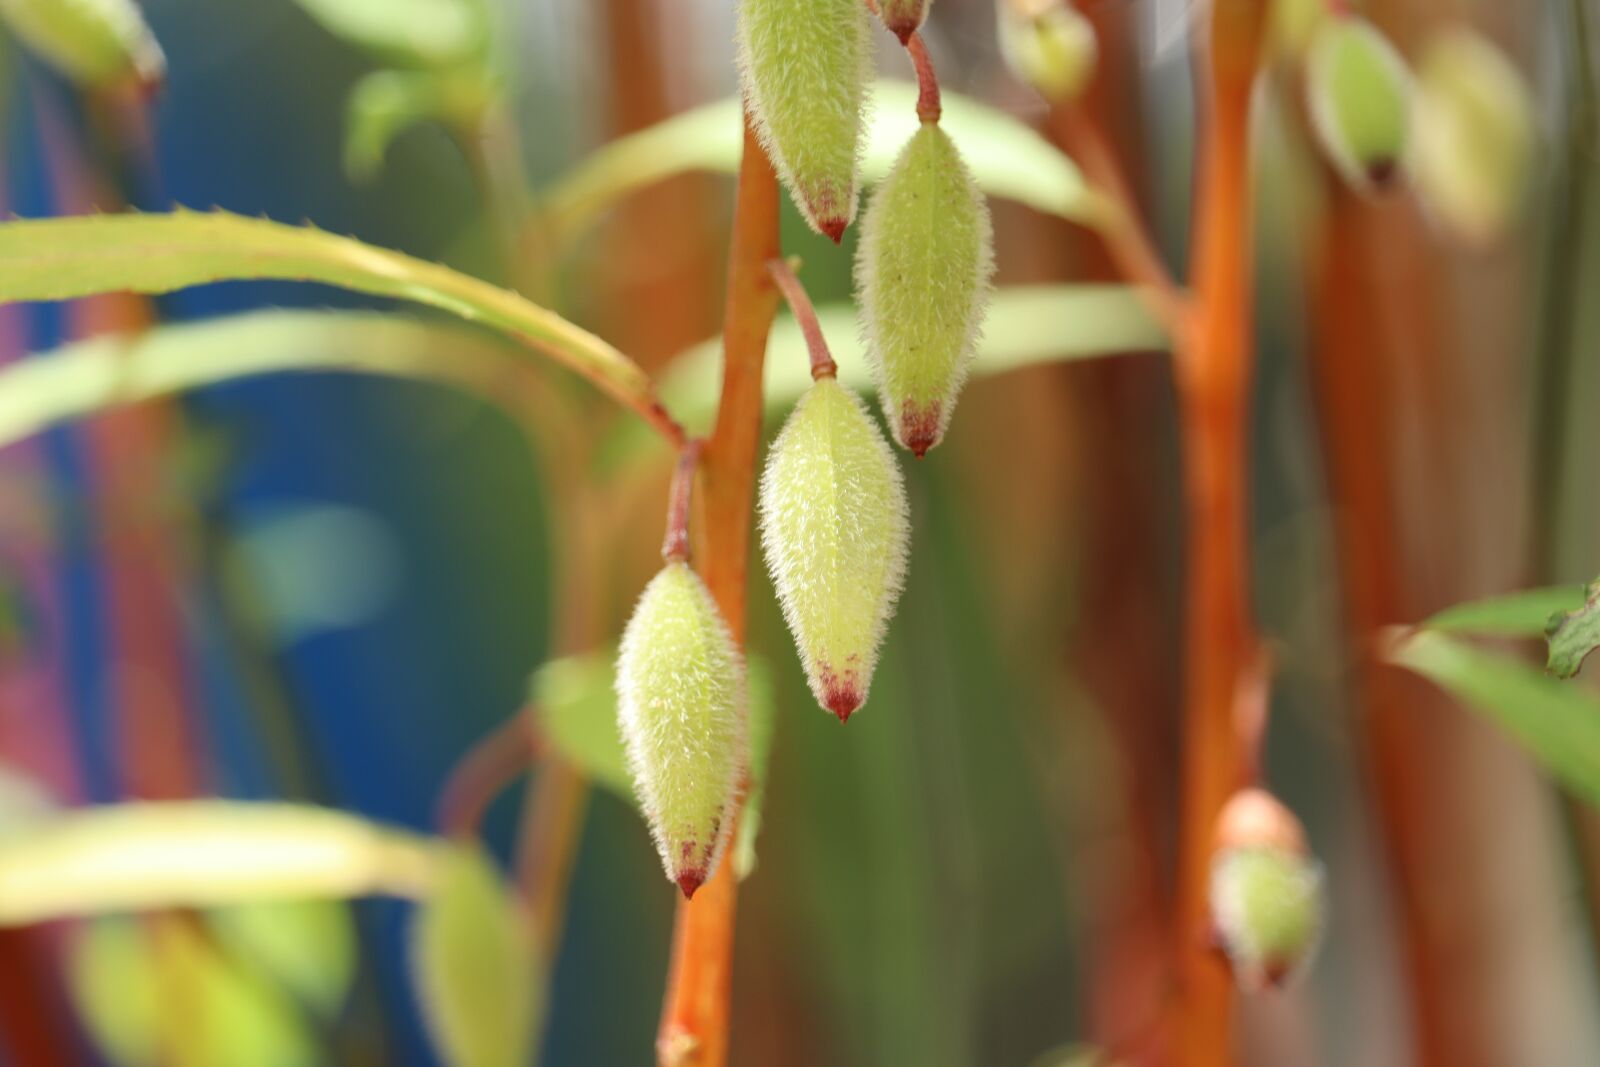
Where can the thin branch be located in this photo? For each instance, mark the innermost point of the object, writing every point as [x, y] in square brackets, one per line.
[488, 767]
[822, 364]
[675, 546]
[929, 106]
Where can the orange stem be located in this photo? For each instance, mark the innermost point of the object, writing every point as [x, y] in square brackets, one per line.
[488, 767]
[694, 1023]
[1214, 365]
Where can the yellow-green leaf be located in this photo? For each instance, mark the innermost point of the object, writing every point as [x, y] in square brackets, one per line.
[97, 43]
[428, 32]
[473, 955]
[1522, 614]
[307, 946]
[1574, 633]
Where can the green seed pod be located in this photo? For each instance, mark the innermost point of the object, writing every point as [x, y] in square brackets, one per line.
[97, 43]
[1360, 98]
[923, 272]
[835, 530]
[1475, 135]
[1049, 45]
[804, 66]
[904, 17]
[1266, 891]
[681, 707]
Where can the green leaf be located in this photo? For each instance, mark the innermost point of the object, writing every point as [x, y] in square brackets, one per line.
[1025, 326]
[1009, 159]
[96, 43]
[96, 375]
[109, 967]
[306, 946]
[136, 857]
[419, 32]
[473, 954]
[1522, 614]
[1574, 631]
[385, 104]
[60, 259]
[1559, 725]
[575, 702]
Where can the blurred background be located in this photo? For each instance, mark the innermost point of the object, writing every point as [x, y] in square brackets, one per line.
[328, 587]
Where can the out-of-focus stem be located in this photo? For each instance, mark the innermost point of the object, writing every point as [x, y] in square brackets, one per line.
[694, 1023]
[487, 768]
[1213, 371]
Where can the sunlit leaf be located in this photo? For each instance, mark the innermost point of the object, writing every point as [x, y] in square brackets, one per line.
[108, 971]
[1558, 724]
[1574, 633]
[1009, 159]
[474, 969]
[134, 857]
[307, 946]
[1522, 614]
[97, 43]
[430, 32]
[1025, 326]
[90, 376]
[58, 259]
[575, 701]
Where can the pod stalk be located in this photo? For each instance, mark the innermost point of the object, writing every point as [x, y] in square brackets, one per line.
[783, 274]
[675, 546]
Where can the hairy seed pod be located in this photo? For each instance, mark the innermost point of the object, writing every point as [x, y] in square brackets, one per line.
[97, 43]
[681, 708]
[923, 272]
[1266, 891]
[904, 17]
[1475, 135]
[804, 66]
[835, 530]
[1360, 98]
[1048, 45]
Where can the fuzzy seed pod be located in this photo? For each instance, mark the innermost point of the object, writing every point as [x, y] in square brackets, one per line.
[1048, 45]
[1360, 98]
[904, 17]
[1266, 891]
[97, 43]
[681, 708]
[923, 272]
[1475, 135]
[835, 530]
[804, 66]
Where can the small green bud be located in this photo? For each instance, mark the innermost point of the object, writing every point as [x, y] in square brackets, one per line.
[97, 43]
[1266, 891]
[923, 272]
[681, 707]
[904, 17]
[1360, 98]
[804, 66]
[1049, 45]
[835, 530]
[1475, 135]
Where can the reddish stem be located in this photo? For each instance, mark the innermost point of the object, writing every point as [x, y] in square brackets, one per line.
[675, 547]
[488, 767]
[929, 106]
[694, 1022]
[822, 364]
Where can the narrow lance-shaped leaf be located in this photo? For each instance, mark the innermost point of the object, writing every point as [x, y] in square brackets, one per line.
[835, 531]
[681, 705]
[98, 43]
[805, 66]
[1526, 613]
[923, 273]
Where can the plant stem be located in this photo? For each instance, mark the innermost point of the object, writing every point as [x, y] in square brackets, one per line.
[694, 1024]
[929, 106]
[487, 768]
[822, 364]
[675, 546]
[1213, 370]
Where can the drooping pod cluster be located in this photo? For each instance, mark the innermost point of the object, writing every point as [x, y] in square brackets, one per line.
[1266, 891]
[681, 709]
[1359, 93]
[804, 67]
[98, 43]
[835, 531]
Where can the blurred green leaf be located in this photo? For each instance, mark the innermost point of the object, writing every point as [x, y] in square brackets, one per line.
[385, 104]
[475, 973]
[59, 259]
[307, 946]
[89, 376]
[108, 970]
[576, 705]
[1574, 632]
[97, 43]
[1559, 725]
[1025, 326]
[1008, 158]
[134, 857]
[1521, 614]
[422, 32]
